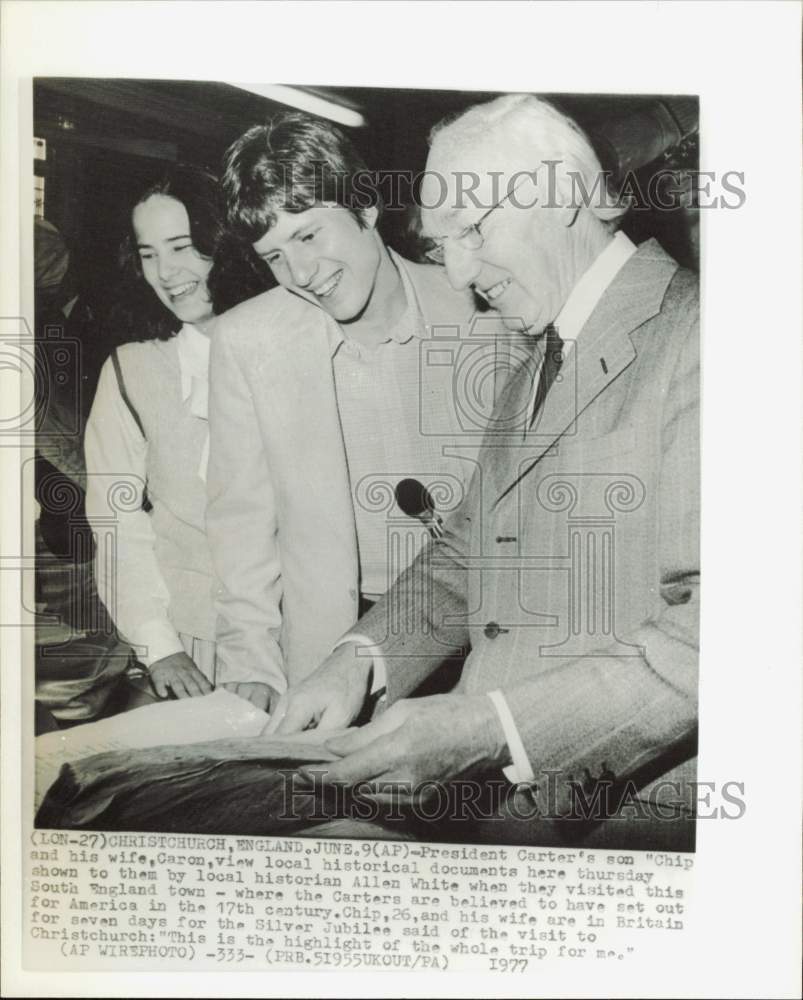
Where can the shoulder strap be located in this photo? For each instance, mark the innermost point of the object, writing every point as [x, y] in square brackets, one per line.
[118, 371]
[147, 506]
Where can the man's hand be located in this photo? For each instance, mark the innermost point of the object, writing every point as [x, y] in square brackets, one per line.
[263, 696]
[434, 739]
[330, 698]
[178, 673]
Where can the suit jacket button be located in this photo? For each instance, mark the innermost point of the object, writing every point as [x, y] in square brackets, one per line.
[493, 629]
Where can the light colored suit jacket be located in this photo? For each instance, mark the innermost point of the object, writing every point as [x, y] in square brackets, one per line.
[572, 569]
[280, 516]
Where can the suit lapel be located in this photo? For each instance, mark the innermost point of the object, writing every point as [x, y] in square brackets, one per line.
[304, 406]
[510, 416]
[604, 349]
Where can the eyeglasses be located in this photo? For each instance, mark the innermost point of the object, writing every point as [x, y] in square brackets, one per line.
[470, 238]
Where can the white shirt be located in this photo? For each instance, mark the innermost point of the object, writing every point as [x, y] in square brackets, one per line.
[193, 359]
[582, 301]
[584, 297]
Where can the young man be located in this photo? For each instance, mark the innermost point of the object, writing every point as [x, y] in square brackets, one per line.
[323, 397]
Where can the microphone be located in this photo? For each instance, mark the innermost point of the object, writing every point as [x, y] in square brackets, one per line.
[415, 500]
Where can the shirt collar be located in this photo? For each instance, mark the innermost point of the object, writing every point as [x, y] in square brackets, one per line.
[410, 324]
[588, 291]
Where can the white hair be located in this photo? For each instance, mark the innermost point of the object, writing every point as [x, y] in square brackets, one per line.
[550, 135]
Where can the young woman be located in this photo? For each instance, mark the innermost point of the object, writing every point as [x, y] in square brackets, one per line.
[146, 440]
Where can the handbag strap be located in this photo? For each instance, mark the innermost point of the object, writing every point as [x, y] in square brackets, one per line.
[118, 371]
[147, 506]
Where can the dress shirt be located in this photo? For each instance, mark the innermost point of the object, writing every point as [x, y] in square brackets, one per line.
[571, 319]
[378, 400]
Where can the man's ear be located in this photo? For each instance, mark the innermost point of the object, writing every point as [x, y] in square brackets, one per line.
[369, 216]
[566, 205]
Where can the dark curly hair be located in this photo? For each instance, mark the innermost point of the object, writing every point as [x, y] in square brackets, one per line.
[138, 314]
[238, 273]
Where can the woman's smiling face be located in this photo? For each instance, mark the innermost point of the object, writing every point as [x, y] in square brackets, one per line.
[170, 263]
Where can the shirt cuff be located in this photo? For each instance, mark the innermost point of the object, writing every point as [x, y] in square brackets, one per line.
[520, 771]
[379, 675]
[154, 640]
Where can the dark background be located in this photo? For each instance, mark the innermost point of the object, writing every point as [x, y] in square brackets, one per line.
[106, 137]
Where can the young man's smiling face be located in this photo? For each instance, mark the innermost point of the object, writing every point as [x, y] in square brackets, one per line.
[325, 255]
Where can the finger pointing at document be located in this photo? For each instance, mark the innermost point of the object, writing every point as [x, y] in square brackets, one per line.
[330, 698]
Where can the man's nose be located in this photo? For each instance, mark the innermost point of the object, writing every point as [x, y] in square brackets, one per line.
[303, 268]
[462, 266]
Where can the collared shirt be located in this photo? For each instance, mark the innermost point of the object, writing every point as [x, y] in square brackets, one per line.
[378, 399]
[410, 324]
[585, 296]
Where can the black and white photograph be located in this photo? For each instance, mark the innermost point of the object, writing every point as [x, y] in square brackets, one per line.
[371, 470]
[364, 466]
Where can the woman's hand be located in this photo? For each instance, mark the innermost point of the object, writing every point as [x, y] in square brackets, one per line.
[178, 673]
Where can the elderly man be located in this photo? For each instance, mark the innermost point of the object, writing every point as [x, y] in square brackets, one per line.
[571, 570]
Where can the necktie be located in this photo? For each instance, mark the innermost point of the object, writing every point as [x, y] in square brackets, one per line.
[553, 359]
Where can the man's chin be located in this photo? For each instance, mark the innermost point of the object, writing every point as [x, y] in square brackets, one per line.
[341, 311]
[346, 313]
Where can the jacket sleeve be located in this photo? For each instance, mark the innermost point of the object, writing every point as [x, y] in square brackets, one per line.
[242, 527]
[127, 573]
[422, 620]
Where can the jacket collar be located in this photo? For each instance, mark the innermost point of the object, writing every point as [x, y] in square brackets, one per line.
[605, 349]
